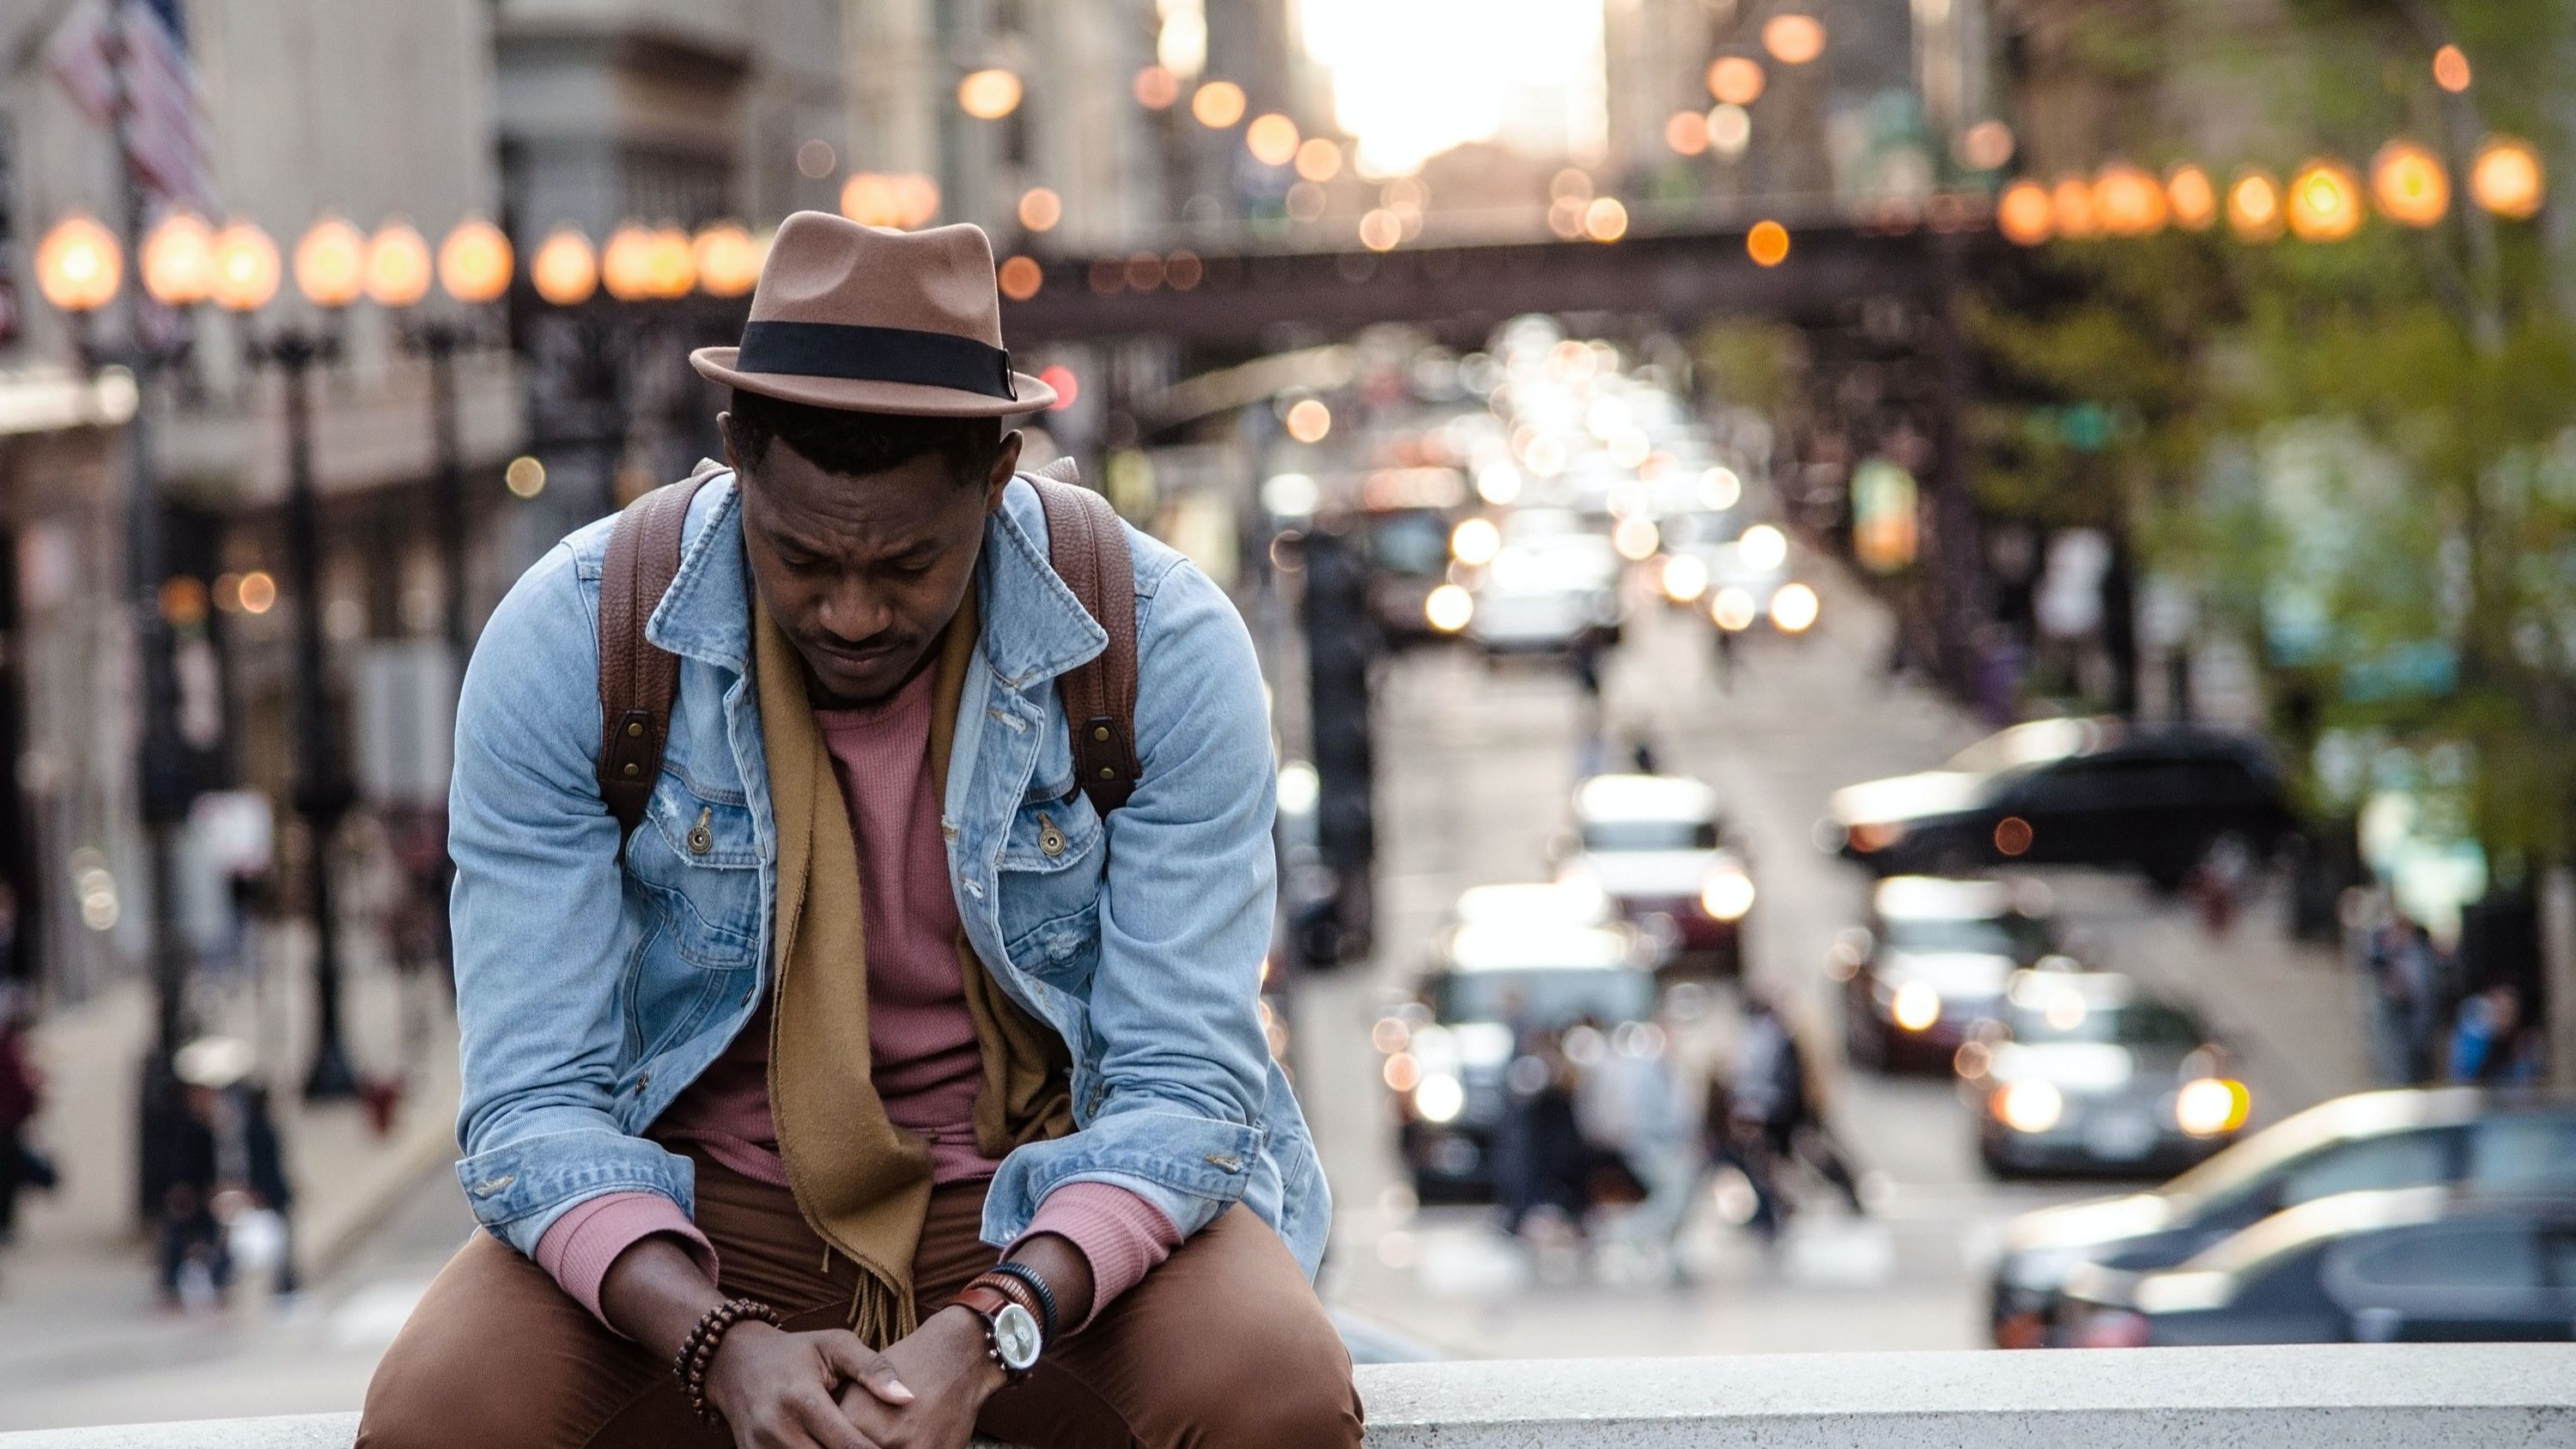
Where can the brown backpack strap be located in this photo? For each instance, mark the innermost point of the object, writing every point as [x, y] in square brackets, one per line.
[1087, 547]
[638, 679]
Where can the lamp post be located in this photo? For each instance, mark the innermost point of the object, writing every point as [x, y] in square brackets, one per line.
[330, 271]
[80, 271]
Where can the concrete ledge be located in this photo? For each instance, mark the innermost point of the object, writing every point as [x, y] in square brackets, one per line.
[2381, 1397]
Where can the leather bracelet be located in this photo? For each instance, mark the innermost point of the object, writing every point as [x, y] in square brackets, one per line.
[1038, 1288]
[698, 1351]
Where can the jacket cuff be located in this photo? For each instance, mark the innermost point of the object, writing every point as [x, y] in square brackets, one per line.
[579, 1246]
[1122, 1236]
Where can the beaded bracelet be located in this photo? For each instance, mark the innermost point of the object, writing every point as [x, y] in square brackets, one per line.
[698, 1351]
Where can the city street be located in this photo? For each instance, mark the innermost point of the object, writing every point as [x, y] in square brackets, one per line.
[1475, 771]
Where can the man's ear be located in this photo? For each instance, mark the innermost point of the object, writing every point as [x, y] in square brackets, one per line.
[724, 430]
[1006, 462]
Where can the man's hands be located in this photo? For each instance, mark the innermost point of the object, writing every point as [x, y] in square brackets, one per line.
[778, 1390]
[951, 1376]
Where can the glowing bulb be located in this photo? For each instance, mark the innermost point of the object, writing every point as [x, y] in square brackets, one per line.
[2025, 214]
[2506, 179]
[474, 262]
[1794, 608]
[1449, 608]
[1915, 1007]
[179, 260]
[330, 263]
[2324, 202]
[989, 95]
[398, 265]
[565, 269]
[2032, 1106]
[2254, 207]
[246, 267]
[1764, 548]
[728, 260]
[1475, 541]
[1767, 243]
[2194, 200]
[2409, 184]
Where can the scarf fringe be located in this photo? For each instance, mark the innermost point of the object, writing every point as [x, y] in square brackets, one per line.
[881, 1312]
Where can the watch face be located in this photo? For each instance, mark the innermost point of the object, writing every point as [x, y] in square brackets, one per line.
[1015, 1337]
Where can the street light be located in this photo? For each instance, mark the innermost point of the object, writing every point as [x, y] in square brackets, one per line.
[330, 266]
[2129, 201]
[2254, 206]
[474, 262]
[178, 260]
[2324, 202]
[2025, 215]
[79, 265]
[565, 270]
[2194, 199]
[728, 259]
[2506, 178]
[398, 266]
[2409, 184]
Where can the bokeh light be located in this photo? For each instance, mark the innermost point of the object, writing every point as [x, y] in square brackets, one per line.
[2076, 218]
[1736, 79]
[2025, 214]
[178, 260]
[1319, 159]
[2254, 206]
[1156, 88]
[1272, 139]
[330, 263]
[2128, 201]
[2408, 184]
[1793, 39]
[1021, 278]
[247, 270]
[2506, 178]
[1767, 243]
[78, 264]
[1686, 133]
[474, 262]
[1218, 104]
[728, 258]
[565, 270]
[1308, 420]
[1040, 208]
[398, 265]
[2324, 202]
[1605, 220]
[989, 95]
[2193, 198]
[2451, 69]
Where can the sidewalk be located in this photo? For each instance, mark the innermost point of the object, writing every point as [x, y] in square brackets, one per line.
[78, 1283]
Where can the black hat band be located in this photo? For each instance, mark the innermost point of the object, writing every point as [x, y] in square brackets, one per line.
[876, 354]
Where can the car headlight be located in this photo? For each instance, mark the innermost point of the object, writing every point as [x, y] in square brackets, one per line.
[2029, 1106]
[1915, 1006]
[1794, 608]
[1449, 608]
[1439, 1097]
[2211, 1106]
[1727, 893]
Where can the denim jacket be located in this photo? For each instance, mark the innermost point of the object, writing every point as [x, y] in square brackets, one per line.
[591, 992]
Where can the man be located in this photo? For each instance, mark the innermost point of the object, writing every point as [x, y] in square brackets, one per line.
[756, 1097]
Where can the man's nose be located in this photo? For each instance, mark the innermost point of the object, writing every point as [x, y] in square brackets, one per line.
[853, 610]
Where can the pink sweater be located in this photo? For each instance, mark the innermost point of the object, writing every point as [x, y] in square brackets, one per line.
[921, 1039]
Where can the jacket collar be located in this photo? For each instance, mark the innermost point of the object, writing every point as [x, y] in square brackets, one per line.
[1034, 628]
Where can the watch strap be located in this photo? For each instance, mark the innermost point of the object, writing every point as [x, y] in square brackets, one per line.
[1030, 1281]
[986, 1300]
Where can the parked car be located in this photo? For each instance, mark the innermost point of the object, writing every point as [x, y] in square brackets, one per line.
[2073, 792]
[2086, 1072]
[2408, 1265]
[1931, 965]
[1493, 983]
[2487, 1142]
[1655, 846]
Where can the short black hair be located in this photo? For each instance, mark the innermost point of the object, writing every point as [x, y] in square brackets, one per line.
[852, 444]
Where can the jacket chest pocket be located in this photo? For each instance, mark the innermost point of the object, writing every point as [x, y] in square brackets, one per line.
[697, 865]
[1052, 858]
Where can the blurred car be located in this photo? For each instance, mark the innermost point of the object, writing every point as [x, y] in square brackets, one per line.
[1493, 982]
[2483, 1141]
[2408, 1265]
[2085, 1072]
[1749, 587]
[1655, 846]
[2073, 792]
[1408, 556]
[1544, 594]
[1931, 966]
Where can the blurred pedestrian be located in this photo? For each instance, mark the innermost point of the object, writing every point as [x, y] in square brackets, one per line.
[2492, 1045]
[1541, 1160]
[1725, 658]
[1583, 654]
[190, 1233]
[22, 1085]
[264, 1173]
[2404, 971]
[1648, 1114]
[1774, 1110]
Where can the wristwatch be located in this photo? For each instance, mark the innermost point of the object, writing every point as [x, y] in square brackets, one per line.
[1012, 1337]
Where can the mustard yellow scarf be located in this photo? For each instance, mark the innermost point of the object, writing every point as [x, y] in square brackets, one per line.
[862, 1182]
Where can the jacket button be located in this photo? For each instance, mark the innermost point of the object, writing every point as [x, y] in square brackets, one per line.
[642, 1080]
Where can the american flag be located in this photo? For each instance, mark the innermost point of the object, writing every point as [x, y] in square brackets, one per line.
[127, 60]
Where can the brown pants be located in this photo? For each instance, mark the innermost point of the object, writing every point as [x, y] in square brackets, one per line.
[1224, 1344]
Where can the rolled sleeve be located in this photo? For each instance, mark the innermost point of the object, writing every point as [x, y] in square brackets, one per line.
[579, 1246]
[1121, 1235]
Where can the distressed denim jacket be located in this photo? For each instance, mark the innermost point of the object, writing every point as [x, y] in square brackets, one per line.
[591, 992]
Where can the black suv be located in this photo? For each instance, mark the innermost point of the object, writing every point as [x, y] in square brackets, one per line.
[2073, 792]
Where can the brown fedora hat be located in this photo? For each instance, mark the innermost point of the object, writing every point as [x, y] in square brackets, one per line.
[874, 321]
